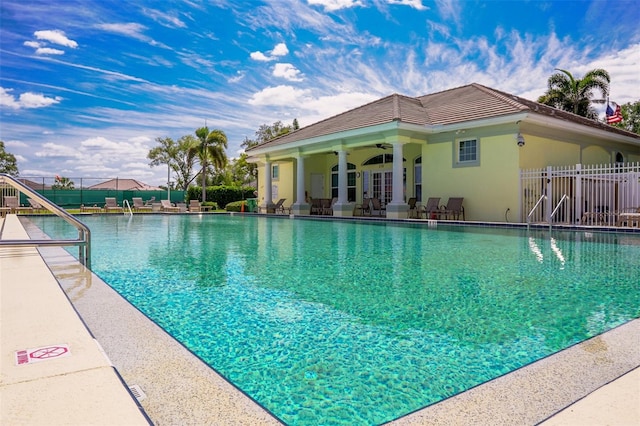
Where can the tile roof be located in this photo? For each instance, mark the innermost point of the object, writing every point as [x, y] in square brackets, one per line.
[124, 185]
[461, 104]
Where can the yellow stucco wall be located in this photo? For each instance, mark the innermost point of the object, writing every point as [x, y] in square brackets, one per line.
[489, 189]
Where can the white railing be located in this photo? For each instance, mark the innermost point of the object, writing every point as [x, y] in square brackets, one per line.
[83, 241]
[596, 193]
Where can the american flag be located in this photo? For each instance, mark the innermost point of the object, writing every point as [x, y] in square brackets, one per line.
[613, 116]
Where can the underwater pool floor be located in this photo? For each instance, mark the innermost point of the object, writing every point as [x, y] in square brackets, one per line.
[181, 389]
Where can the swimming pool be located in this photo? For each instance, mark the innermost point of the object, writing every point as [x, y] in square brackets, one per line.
[328, 322]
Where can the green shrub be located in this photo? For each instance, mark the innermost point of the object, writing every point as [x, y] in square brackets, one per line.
[236, 206]
[222, 195]
[212, 204]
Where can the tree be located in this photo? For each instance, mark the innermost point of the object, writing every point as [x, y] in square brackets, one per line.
[166, 153]
[210, 149]
[575, 94]
[248, 171]
[62, 182]
[180, 157]
[630, 117]
[8, 163]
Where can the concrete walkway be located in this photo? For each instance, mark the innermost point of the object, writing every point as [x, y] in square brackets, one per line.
[52, 370]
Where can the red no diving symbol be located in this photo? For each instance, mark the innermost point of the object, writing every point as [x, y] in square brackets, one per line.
[50, 352]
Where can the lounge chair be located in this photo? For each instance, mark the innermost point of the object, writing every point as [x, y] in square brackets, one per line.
[194, 206]
[376, 206]
[278, 207]
[452, 210]
[168, 207]
[327, 206]
[140, 206]
[433, 204]
[36, 206]
[12, 202]
[414, 209]
[284, 210]
[111, 205]
[629, 217]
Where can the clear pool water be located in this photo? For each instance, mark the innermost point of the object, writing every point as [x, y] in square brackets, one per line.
[336, 323]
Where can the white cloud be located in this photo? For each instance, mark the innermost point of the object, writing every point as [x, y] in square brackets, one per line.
[131, 29]
[25, 100]
[49, 51]
[237, 78]
[287, 71]
[33, 44]
[56, 150]
[280, 50]
[55, 37]
[279, 96]
[165, 19]
[259, 56]
[416, 4]
[15, 144]
[333, 5]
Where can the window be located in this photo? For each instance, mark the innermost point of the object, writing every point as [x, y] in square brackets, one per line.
[467, 153]
[351, 181]
[275, 172]
[380, 159]
[417, 178]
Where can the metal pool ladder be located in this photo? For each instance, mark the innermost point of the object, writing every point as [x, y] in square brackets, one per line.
[84, 234]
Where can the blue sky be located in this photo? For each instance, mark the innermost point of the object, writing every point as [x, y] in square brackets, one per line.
[86, 86]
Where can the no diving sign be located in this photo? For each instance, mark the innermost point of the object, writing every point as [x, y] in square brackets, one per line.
[45, 353]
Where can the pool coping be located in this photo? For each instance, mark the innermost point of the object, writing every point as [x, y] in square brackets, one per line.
[529, 395]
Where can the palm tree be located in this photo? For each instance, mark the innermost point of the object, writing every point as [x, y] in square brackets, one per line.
[211, 148]
[574, 95]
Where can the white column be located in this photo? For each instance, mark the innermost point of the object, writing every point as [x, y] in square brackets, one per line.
[268, 198]
[398, 174]
[300, 206]
[342, 177]
[343, 207]
[398, 208]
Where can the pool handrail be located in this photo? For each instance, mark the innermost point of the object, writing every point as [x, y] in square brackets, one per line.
[563, 199]
[84, 234]
[543, 197]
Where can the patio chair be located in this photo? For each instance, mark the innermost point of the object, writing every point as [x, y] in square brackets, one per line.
[111, 205]
[376, 206]
[327, 206]
[452, 210]
[140, 206]
[194, 206]
[433, 204]
[365, 207]
[11, 201]
[168, 207]
[316, 206]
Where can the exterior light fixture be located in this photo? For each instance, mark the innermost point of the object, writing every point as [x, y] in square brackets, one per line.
[520, 139]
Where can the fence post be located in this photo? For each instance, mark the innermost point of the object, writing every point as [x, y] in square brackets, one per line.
[578, 201]
[549, 201]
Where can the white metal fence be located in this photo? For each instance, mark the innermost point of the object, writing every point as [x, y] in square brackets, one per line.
[595, 194]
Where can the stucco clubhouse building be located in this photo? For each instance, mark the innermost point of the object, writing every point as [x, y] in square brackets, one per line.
[472, 142]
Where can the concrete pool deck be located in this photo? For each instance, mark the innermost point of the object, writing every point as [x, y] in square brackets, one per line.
[595, 382]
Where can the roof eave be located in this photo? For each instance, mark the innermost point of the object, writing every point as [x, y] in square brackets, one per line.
[555, 123]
